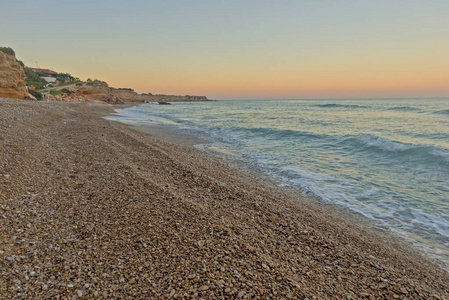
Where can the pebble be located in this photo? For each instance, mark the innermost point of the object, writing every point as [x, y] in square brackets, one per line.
[172, 293]
[86, 229]
[266, 267]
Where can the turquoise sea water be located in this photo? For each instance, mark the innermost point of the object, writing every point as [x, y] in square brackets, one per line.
[387, 159]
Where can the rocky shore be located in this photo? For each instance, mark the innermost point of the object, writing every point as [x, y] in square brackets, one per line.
[91, 208]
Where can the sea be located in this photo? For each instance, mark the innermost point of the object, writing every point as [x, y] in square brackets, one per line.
[386, 159]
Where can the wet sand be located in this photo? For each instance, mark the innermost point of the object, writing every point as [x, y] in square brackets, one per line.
[92, 208]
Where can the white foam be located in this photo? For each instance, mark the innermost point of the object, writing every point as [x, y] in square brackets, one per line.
[383, 143]
[435, 223]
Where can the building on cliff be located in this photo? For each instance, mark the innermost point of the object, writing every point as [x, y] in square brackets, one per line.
[45, 71]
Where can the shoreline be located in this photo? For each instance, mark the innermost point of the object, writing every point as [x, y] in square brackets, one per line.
[206, 144]
[104, 210]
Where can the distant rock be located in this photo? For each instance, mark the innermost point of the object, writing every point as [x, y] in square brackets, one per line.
[169, 98]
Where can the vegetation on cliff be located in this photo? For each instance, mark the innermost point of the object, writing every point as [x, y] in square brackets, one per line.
[7, 50]
[60, 92]
[34, 79]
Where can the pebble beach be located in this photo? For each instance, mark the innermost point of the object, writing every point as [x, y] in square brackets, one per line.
[94, 209]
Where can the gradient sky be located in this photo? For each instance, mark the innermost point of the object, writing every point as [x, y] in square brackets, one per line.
[240, 49]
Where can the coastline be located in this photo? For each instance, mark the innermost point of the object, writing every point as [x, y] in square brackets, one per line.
[103, 210]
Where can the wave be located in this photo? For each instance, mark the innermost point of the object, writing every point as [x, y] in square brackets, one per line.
[432, 222]
[395, 147]
[278, 133]
[403, 108]
[442, 112]
[368, 142]
[331, 105]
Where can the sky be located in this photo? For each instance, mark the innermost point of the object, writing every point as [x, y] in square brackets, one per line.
[246, 49]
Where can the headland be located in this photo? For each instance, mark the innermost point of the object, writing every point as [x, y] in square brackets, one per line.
[21, 82]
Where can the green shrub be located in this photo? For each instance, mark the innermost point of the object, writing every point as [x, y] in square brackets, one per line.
[21, 63]
[60, 92]
[67, 91]
[65, 77]
[36, 95]
[32, 78]
[7, 50]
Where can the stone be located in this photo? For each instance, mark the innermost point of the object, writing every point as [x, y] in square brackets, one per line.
[266, 267]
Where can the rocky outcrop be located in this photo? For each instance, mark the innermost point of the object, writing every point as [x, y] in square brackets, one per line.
[129, 95]
[97, 91]
[169, 98]
[126, 95]
[12, 76]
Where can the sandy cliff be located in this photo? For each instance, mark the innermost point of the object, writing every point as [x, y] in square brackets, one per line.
[12, 77]
[126, 95]
[98, 91]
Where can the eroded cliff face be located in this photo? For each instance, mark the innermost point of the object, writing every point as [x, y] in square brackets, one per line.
[126, 95]
[12, 77]
[99, 91]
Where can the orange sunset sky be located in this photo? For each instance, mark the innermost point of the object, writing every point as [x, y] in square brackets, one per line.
[240, 49]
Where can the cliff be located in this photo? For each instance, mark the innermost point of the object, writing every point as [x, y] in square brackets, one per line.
[12, 76]
[126, 95]
[97, 91]
[169, 98]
